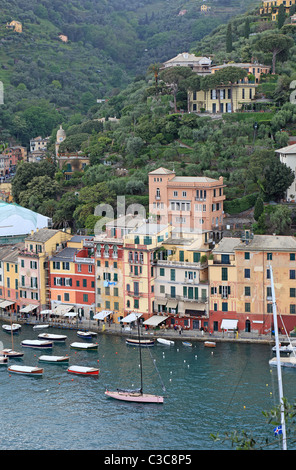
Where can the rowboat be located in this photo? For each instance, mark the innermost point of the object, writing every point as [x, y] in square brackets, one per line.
[11, 353]
[52, 337]
[14, 328]
[3, 360]
[167, 342]
[35, 343]
[134, 396]
[26, 370]
[141, 342]
[54, 359]
[186, 343]
[210, 344]
[84, 346]
[41, 326]
[80, 370]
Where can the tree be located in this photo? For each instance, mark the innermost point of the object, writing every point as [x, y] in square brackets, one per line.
[275, 43]
[259, 208]
[278, 178]
[229, 38]
[175, 78]
[247, 29]
[281, 16]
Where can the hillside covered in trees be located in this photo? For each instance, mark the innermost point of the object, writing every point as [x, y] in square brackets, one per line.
[109, 43]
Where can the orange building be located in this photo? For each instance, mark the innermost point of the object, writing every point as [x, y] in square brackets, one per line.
[188, 203]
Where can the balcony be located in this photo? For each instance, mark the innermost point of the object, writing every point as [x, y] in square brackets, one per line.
[84, 260]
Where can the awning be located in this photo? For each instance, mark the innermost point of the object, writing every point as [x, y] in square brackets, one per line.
[155, 320]
[172, 304]
[6, 303]
[62, 309]
[45, 312]
[161, 301]
[28, 308]
[103, 314]
[70, 314]
[131, 317]
[229, 324]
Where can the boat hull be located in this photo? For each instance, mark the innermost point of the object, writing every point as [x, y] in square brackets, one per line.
[40, 327]
[52, 337]
[54, 359]
[186, 343]
[79, 370]
[26, 370]
[84, 346]
[210, 344]
[142, 343]
[135, 397]
[11, 353]
[284, 361]
[167, 342]
[37, 344]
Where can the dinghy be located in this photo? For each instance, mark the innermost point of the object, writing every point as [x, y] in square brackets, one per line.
[54, 359]
[25, 370]
[3, 360]
[80, 370]
[35, 343]
[167, 342]
[52, 337]
[84, 346]
[186, 343]
[210, 344]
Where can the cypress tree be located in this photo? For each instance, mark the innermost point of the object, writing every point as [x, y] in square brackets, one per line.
[229, 38]
[281, 16]
[247, 28]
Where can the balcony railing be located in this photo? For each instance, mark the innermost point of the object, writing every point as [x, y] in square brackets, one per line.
[84, 260]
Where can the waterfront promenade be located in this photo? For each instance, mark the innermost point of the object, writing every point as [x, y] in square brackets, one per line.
[123, 330]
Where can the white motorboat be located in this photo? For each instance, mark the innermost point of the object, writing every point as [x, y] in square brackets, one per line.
[41, 326]
[80, 370]
[167, 342]
[11, 353]
[84, 346]
[54, 359]
[14, 328]
[26, 370]
[35, 343]
[52, 337]
[3, 360]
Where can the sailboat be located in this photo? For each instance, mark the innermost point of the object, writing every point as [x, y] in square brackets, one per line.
[136, 395]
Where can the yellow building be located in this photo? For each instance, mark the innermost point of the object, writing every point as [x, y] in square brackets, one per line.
[240, 289]
[223, 99]
[139, 269]
[16, 26]
[181, 280]
[205, 8]
[34, 264]
[272, 7]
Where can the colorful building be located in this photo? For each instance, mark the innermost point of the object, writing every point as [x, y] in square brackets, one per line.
[271, 7]
[240, 289]
[188, 203]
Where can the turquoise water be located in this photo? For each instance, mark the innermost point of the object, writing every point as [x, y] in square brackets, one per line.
[207, 391]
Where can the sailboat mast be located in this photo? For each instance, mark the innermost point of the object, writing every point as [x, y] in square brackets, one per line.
[279, 370]
[140, 352]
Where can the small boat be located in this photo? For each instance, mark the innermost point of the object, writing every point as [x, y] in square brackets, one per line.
[14, 328]
[167, 342]
[284, 361]
[52, 337]
[26, 370]
[80, 370]
[86, 334]
[11, 353]
[84, 346]
[210, 344]
[186, 343]
[286, 347]
[134, 396]
[3, 360]
[35, 343]
[41, 326]
[141, 342]
[54, 359]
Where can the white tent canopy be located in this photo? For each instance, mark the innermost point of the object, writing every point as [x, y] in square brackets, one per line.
[45, 312]
[62, 309]
[103, 314]
[6, 303]
[131, 317]
[28, 308]
[229, 324]
[155, 320]
[70, 314]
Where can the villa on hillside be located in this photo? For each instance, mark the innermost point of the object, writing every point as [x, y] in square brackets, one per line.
[272, 7]
[200, 65]
[287, 155]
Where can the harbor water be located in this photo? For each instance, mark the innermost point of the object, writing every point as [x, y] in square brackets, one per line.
[207, 390]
